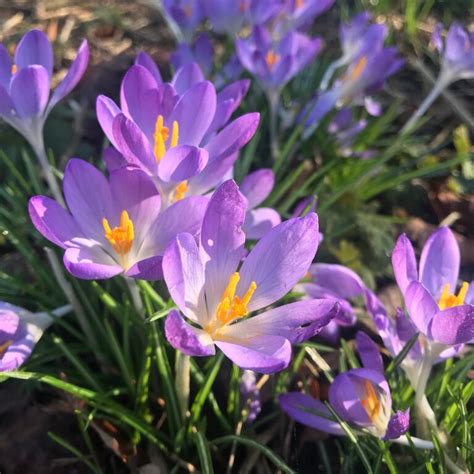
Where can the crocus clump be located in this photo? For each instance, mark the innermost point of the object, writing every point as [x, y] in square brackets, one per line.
[360, 397]
[256, 187]
[184, 153]
[216, 292]
[25, 84]
[113, 225]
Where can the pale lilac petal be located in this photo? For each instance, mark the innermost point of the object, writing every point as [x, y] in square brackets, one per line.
[369, 352]
[420, 305]
[113, 159]
[439, 261]
[30, 91]
[279, 260]
[7, 108]
[259, 221]
[5, 67]
[296, 322]
[184, 276]
[106, 111]
[186, 338]
[257, 186]
[73, 76]
[35, 49]
[263, 354]
[342, 281]
[88, 197]
[201, 100]
[53, 221]
[186, 77]
[222, 240]
[143, 59]
[148, 269]
[470, 294]
[182, 162]
[310, 412]
[404, 263]
[398, 424]
[90, 263]
[453, 326]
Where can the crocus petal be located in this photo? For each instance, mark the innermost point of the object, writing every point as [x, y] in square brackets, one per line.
[342, 281]
[143, 59]
[453, 326]
[259, 221]
[88, 197]
[186, 77]
[310, 412]
[279, 260]
[184, 276]
[182, 162]
[257, 186]
[187, 339]
[106, 111]
[17, 354]
[7, 108]
[404, 263]
[53, 221]
[34, 49]
[263, 354]
[368, 352]
[296, 322]
[222, 240]
[420, 305]
[30, 91]
[73, 76]
[398, 424]
[439, 262]
[201, 99]
[148, 269]
[5, 67]
[113, 159]
[90, 263]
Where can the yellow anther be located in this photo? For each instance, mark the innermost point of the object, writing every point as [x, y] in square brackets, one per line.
[4, 347]
[359, 67]
[371, 403]
[232, 307]
[14, 69]
[448, 300]
[271, 59]
[298, 4]
[121, 237]
[181, 190]
[161, 136]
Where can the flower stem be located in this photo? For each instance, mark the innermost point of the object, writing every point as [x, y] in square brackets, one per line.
[273, 103]
[38, 146]
[182, 383]
[417, 442]
[135, 295]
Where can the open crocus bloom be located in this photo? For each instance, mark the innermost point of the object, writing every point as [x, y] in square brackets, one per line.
[113, 226]
[274, 62]
[20, 330]
[185, 153]
[457, 53]
[216, 295]
[442, 316]
[361, 397]
[256, 187]
[186, 13]
[25, 83]
[336, 282]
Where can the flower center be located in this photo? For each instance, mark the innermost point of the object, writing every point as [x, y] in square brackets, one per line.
[359, 67]
[161, 136]
[271, 59]
[4, 347]
[371, 402]
[121, 237]
[298, 4]
[14, 69]
[231, 307]
[448, 300]
[188, 10]
[180, 191]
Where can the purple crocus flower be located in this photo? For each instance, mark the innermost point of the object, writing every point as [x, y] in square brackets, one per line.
[25, 84]
[216, 295]
[200, 52]
[361, 397]
[113, 225]
[185, 153]
[20, 330]
[339, 283]
[187, 14]
[250, 395]
[275, 61]
[256, 187]
[300, 14]
[229, 72]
